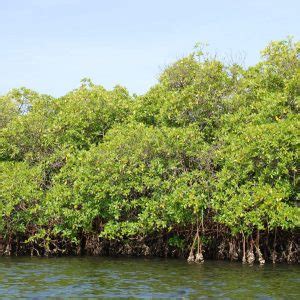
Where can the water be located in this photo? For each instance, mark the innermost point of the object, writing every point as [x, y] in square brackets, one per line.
[144, 278]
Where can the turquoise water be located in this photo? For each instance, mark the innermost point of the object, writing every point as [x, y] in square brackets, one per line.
[89, 277]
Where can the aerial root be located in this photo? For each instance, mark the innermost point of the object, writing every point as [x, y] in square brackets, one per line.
[191, 257]
[232, 250]
[250, 254]
[199, 256]
[244, 260]
[258, 252]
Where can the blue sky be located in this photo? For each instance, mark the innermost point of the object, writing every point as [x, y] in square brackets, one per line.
[49, 45]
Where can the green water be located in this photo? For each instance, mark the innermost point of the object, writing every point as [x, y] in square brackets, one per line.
[144, 278]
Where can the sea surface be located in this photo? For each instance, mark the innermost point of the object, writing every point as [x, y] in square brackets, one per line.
[98, 277]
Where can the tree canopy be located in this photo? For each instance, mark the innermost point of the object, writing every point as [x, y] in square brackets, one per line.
[207, 161]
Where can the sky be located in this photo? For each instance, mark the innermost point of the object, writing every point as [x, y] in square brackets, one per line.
[50, 45]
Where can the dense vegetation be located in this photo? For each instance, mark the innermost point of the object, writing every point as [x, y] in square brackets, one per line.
[203, 165]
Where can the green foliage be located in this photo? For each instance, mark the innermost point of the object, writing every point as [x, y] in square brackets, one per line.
[136, 181]
[20, 198]
[83, 116]
[257, 183]
[210, 143]
[177, 242]
[191, 91]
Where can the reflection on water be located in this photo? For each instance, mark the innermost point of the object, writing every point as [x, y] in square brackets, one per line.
[144, 278]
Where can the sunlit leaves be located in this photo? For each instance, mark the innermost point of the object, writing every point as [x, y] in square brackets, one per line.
[209, 141]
